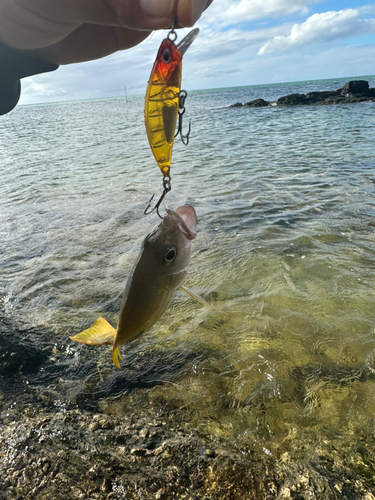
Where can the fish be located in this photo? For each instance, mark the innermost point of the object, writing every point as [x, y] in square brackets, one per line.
[162, 99]
[158, 272]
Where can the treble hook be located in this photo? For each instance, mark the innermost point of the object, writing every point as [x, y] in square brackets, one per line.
[181, 110]
[167, 187]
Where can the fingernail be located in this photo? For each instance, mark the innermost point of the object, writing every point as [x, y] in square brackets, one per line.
[197, 8]
[157, 8]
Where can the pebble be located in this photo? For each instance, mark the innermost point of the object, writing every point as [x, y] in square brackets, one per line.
[143, 433]
[159, 450]
[210, 453]
[78, 494]
[139, 452]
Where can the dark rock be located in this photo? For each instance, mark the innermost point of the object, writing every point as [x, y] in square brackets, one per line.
[359, 95]
[355, 87]
[313, 97]
[338, 99]
[352, 92]
[292, 100]
[140, 372]
[19, 349]
[353, 98]
[256, 103]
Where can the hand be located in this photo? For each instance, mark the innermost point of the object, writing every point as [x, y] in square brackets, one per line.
[67, 31]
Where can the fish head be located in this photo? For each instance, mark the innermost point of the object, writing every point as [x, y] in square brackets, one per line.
[169, 245]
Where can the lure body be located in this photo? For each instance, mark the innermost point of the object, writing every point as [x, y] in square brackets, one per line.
[162, 99]
[161, 107]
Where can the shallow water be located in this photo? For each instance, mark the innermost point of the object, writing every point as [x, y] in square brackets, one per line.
[285, 247]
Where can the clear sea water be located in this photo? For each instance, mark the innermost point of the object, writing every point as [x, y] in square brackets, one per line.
[285, 198]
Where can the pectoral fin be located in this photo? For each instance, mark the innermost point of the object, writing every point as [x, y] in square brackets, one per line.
[101, 333]
[198, 298]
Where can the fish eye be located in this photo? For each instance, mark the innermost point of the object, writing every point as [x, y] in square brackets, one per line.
[171, 254]
[166, 56]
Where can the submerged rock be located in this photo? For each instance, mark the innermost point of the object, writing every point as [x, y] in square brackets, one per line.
[85, 431]
[19, 350]
[60, 456]
[352, 92]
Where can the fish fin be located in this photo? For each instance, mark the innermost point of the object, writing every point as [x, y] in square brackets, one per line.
[115, 355]
[198, 298]
[100, 333]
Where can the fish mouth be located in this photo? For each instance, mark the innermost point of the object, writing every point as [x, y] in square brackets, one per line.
[187, 41]
[186, 218]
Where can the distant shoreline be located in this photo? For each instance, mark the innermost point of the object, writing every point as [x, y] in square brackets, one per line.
[24, 101]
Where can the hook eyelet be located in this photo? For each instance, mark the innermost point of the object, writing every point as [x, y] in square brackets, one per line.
[172, 35]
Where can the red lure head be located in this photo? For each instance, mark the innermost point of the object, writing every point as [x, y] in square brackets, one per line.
[168, 59]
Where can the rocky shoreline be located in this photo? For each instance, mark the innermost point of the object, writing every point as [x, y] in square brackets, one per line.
[352, 92]
[79, 455]
[82, 447]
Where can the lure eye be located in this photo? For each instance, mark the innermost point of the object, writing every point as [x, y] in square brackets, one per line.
[171, 254]
[166, 56]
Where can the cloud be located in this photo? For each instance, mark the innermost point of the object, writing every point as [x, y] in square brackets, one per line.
[330, 62]
[227, 51]
[321, 28]
[210, 57]
[224, 12]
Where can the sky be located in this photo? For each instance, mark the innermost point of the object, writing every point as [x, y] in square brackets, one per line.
[241, 42]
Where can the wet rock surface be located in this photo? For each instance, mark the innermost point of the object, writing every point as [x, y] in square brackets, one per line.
[19, 352]
[81, 455]
[352, 92]
[256, 103]
[62, 436]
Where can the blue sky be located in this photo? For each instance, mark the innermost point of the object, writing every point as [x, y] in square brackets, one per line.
[242, 42]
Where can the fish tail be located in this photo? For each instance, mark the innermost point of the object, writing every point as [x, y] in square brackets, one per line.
[115, 356]
[100, 333]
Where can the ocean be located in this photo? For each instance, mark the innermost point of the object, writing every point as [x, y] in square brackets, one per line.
[285, 198]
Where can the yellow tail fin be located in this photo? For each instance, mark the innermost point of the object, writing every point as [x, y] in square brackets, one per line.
[116, 354]
[101, 333]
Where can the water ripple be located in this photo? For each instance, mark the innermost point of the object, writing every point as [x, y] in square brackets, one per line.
[286, 246]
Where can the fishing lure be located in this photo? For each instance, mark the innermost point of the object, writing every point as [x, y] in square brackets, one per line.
[164, 102]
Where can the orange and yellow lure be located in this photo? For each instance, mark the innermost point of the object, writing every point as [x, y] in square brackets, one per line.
[163, 98]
